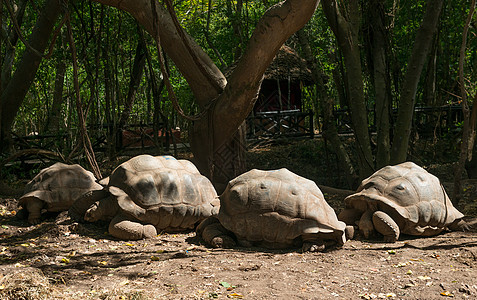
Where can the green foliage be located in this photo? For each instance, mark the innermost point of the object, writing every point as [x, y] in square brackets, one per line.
[106, 40]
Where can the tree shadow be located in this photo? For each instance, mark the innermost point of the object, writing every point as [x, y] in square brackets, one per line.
[444, 242]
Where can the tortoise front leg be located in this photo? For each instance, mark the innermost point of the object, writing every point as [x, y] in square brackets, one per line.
[125, 229]
[86, 201]
[104, 209]
[34, 206]
[385, 225]
[365, 224]
[215, 234]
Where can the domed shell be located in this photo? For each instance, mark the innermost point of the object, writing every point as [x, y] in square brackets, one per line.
[277, 206]
[408, 193]
[59, 186]
[168, 193]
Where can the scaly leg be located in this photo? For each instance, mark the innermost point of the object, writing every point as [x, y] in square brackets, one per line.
[385, 225]
[215, 234]
[105, 209]
[125, 229]
[365, 224]
[34, 206]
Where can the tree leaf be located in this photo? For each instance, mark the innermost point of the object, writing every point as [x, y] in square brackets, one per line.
[225, 284]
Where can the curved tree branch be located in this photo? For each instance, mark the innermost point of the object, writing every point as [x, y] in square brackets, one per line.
[273, 29]
[173, 44]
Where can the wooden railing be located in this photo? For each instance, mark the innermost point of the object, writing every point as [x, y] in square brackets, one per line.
[427, 121]
[291, 123]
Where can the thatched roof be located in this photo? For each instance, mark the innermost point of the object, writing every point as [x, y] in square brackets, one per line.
[288, 63]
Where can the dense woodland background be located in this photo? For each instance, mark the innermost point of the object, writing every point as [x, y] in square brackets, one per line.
[75, 73]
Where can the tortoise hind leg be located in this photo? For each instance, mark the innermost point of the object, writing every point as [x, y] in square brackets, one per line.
[34, 206]
[125, 229]
[385, 225]
[215, 234]
[461, 225]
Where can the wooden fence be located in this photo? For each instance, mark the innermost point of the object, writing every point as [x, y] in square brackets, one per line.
[291, 123]
[428, 122]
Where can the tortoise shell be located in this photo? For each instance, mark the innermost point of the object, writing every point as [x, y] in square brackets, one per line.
[277, 207]
[168, 193]
[409, 194]
[59, 185]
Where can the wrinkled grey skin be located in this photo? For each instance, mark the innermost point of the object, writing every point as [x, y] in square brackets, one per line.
[273, 209]
[147, 195]
[403, 198]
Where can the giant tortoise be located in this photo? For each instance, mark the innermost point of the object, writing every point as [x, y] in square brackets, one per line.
[55, 189]
[403, 198]
[273, 209]
[148, 194]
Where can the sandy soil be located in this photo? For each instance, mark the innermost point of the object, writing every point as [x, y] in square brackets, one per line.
[60, 259]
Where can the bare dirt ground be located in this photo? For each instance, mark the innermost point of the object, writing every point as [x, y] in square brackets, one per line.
[60, 259]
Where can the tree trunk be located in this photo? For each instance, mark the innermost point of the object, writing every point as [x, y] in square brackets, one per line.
[236, 24]
[235, 103]
[136, 76]
[422, 44]
[381, 82]
[11, 47]
[227, 104]
[14, 93]
[344, 22]
[338, 73]
[108, 100]
[468, 132]
[206, 82]
[156, 90]
[429, 94]
[329, 126]
[53, 124]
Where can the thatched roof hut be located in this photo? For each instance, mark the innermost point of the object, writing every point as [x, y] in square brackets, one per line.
[288, 65]
[288, 71]
[282, 83]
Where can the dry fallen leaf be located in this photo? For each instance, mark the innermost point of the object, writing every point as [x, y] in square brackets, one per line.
[368, 296]
[19, 265]
[124, 282]
[235, 296]
[447, 293]
[386, 295]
